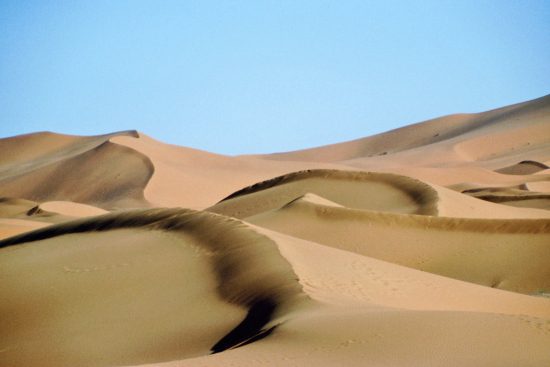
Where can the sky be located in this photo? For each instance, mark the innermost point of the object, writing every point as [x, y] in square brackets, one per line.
[237, 77]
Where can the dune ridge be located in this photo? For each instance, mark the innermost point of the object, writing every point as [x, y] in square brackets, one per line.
[350, 188]
[24, 153]
[82, 170]
[363, 190]
[426, 133]
[523, 168]
[369, 309]
[425, 246]
[195, 223]
[230, 248]
[196, 179]
[474, 250]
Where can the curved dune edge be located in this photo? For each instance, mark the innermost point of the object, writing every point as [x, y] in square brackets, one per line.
[481, 225]
[314, 199]
[522, 182]
[26, 153]
[394, 338]
[379, 313]
[249, 271]
[88, 170]
[197, 179]
[342, 278]
[459, 205]
[532, 200]
[384, 192]
[328, 271]
[521, 195]
[527, 167]
[474, 250]
[183, 176]
[371, 190]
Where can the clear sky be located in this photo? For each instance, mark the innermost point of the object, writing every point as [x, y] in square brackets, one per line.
[262, 76]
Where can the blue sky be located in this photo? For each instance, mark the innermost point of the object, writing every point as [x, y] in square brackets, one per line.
[263, 76]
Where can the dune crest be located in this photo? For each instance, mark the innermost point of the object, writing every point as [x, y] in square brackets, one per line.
[84, 170]
[425, 246]
[365, 190]
[199, 240]
[441, 131]
[473, 250]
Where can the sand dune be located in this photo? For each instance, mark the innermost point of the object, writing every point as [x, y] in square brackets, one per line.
[529, 117]
[523, 168]
[355, 307]
[372, 312]
[519, 197]
[85, 173]
[365, 190]
[197, 179]
[426, 245]
[394, 338]
[449, 150]
[201, 260]
[474, 250]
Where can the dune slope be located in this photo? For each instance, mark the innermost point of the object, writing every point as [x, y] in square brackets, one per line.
[370, 312]
[85, 170]
[365, 190]
[97, 300]
[426, 245]
[528, 117]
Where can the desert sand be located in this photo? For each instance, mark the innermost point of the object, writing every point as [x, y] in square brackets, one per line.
[427, 245]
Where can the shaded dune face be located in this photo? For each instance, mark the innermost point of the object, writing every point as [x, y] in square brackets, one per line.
[362, 213]
[523, 168]
[513, 197]
[522, 193]
[24, 153]
[139, 287]
[473, 250]
[92, 171]
[365, 190]
[323, 266]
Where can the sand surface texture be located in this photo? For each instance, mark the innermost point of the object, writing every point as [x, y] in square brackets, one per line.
[427, 245]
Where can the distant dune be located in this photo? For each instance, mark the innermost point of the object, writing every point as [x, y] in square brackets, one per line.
[426, 245]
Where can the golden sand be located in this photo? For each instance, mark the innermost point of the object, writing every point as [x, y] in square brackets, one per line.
[426, 245]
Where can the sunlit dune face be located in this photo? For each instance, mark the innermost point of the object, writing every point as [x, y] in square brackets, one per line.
[110, 298]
